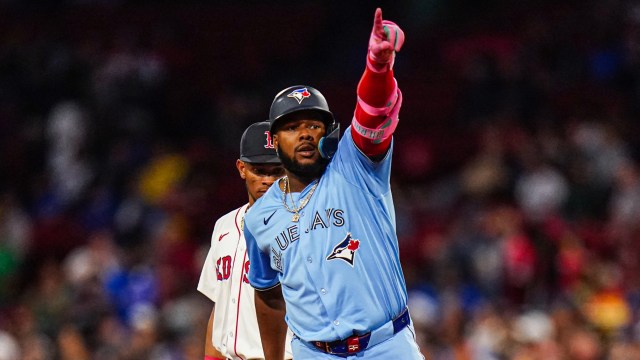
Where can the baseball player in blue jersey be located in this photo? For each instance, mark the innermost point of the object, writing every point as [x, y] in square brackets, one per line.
[322, 240]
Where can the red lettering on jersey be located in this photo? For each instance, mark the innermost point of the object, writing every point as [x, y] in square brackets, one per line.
[218, 273]
[245, 279]
[223, 268]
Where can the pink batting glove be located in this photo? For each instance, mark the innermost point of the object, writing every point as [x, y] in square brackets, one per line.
[386, 39]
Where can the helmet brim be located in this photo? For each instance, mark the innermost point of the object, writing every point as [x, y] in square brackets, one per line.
[261, 159]
[327, 117]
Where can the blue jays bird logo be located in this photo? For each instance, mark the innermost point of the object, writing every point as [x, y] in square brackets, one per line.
[300, 94]
[345, 250]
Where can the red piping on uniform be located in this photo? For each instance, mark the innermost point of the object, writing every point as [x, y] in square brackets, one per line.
[233, 264]
[235, 342]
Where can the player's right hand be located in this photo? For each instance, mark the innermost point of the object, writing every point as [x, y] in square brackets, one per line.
[386, 39]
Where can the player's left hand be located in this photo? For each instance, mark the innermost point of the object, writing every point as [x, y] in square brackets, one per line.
[386, 39]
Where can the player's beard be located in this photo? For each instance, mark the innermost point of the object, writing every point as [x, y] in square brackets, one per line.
[307, 172]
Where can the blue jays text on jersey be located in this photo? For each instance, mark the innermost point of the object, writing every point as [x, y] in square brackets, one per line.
[338, 265]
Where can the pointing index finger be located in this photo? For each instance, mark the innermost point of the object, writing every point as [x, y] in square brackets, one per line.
[377, 24]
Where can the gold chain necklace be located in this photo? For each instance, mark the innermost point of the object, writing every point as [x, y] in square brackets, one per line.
[242, 219]
[303, 202]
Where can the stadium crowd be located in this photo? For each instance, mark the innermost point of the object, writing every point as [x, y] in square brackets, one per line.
[516, 168]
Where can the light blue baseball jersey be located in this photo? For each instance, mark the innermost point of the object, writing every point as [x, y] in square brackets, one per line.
[338, 265]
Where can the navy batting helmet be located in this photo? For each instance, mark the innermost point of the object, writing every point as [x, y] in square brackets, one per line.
[298, 98]
[256, 145]
[302, 97]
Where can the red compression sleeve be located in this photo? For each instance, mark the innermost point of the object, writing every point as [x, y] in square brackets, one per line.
[374, 89]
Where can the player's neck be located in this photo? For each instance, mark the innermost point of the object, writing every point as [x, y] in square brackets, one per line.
[297, 183]
[251, 201]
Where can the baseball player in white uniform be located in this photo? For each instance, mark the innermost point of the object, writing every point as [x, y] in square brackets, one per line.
[233, 332]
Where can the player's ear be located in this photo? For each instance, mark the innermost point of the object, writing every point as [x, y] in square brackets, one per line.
[242, 168]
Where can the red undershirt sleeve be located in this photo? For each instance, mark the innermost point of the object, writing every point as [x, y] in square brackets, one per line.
[374, 89]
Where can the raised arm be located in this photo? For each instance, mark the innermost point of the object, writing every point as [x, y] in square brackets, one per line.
[379, 98]
[270, 310]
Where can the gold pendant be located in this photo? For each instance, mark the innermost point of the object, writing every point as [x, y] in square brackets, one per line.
[295, 217]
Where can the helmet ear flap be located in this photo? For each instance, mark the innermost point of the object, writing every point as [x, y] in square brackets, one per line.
[328, 144]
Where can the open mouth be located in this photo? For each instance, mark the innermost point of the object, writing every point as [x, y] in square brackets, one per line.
[306, 150]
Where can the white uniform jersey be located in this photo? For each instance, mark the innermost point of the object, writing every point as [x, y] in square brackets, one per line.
[224, 280]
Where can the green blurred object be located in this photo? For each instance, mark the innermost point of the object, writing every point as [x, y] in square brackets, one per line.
[8, 267]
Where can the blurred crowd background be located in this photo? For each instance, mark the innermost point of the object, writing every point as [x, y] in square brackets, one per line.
[515, 174]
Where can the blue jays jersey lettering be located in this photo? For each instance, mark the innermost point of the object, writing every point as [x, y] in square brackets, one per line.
[341, 258]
